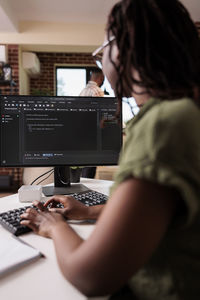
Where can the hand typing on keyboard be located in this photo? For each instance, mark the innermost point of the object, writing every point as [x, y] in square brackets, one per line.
[68, 206]
[87, 207]
[41, 221]
[48, 215]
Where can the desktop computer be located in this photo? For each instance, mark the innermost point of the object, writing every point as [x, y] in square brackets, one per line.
[59, 131]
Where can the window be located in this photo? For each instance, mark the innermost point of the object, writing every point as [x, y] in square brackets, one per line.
[70, 81]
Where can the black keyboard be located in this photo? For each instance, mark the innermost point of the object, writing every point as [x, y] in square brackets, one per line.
[90, 198]
[11, 219]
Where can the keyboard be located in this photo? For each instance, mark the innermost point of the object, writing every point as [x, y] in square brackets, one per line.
[10, 220]
[90, 198]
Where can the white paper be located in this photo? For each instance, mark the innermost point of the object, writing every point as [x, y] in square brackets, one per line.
[14, 253]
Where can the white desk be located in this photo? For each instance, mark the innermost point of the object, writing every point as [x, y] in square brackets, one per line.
[42, 280]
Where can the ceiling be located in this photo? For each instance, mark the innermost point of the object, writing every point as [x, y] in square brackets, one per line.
[194, 8]
[60, 25]
[89, 11]
[12, 12]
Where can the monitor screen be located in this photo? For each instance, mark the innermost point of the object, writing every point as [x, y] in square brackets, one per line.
[55, 131]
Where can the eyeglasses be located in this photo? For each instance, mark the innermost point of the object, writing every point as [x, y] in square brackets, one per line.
[98, 53]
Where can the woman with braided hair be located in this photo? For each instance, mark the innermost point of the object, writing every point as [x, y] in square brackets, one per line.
[147, 235]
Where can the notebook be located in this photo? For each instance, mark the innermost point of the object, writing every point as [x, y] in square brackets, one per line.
[14, 254]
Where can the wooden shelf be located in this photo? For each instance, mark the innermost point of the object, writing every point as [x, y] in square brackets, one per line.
[106, 172]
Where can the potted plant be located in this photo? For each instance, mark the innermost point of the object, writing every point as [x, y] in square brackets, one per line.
[75, 174]
[41, 92]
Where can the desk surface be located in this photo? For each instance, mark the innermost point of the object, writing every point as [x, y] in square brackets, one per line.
[43, 279]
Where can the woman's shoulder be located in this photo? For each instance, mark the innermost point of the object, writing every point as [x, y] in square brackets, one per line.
[178, 110]
[163, 126]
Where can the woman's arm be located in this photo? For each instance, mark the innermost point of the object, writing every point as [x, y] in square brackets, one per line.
[128, 231]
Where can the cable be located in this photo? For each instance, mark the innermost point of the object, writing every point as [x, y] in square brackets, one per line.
[41, 176]
[45, 177]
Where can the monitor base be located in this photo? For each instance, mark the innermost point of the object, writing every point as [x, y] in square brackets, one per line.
[73, 188]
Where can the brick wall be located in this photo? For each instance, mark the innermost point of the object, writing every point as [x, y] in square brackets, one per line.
[16, 175]
[13, 60]
[48, 60]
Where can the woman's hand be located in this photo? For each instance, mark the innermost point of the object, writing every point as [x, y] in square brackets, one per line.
[42, 221]
[73, 209]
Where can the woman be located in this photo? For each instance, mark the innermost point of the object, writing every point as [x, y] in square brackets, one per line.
[148, 233]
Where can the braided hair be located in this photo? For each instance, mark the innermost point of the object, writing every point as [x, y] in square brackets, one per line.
[158, 39]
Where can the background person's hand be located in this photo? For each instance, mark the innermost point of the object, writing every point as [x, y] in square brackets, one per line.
[73, 209]
[41, 221]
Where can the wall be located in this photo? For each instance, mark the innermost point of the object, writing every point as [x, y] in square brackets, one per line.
[13, 60]
[24, 80]
[48, 61]
[46, 80]
[72, 35]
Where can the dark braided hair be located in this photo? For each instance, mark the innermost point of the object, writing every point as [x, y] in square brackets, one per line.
[158, 39]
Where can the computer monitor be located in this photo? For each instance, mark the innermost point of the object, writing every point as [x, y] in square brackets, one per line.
[59, 131]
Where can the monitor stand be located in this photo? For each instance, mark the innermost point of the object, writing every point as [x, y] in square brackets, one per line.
[62, 185]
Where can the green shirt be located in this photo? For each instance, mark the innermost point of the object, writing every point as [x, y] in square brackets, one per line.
[163, 146]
